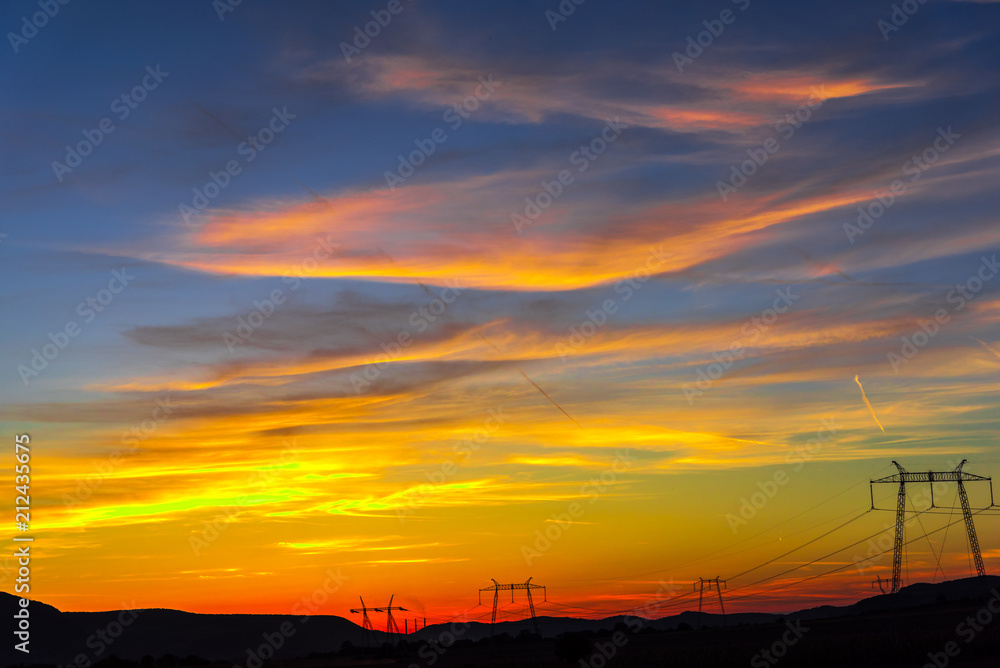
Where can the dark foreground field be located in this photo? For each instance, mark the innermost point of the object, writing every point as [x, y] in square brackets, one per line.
[948, 624]
[868, 640]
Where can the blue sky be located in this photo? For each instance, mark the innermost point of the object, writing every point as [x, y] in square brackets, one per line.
[641, 224]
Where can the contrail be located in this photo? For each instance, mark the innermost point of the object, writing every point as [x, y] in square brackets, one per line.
[869, 404]
[223, 124]
[987, 346]
[549, 398]
[483, 337]
[830, 267]
[534, 384]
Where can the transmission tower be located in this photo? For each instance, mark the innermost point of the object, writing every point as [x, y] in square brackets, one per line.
[366, 622]
[903, 477]
[704, 584]
[497, 588]
[391, 627]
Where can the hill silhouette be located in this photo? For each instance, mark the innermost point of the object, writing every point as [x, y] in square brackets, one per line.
[65, 638]
[61, 637]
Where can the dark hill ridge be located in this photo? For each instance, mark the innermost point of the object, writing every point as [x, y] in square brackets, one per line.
[913, 596]
[77, 638]
[64, 637]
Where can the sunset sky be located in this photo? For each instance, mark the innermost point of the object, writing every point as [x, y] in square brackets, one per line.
[467, 268]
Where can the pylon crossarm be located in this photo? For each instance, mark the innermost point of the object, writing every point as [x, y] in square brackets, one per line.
[957, 475]
[497, 587]
[931, 476]
[511, 587]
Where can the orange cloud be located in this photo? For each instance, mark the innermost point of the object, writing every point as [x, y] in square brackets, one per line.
[730, 103]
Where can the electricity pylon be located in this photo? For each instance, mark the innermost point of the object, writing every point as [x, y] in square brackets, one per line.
[704, 584]
[956, 476]
[497, 588]
[391, 627]
[366, 622]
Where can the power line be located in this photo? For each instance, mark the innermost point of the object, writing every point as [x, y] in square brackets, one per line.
[497, 587]
[931, 512]
[826, 556]
[839, 568]
[958, 476]
[937, 557]
[806, 544]
[944, 541]
[678, 601]
[674, 602]
[705, 557]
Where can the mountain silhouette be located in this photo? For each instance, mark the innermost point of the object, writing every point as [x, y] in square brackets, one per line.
[84, 638]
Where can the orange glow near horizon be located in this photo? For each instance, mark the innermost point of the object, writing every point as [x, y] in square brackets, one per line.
[614, 364]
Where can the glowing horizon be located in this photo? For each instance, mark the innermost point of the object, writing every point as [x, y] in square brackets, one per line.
[392, 315]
